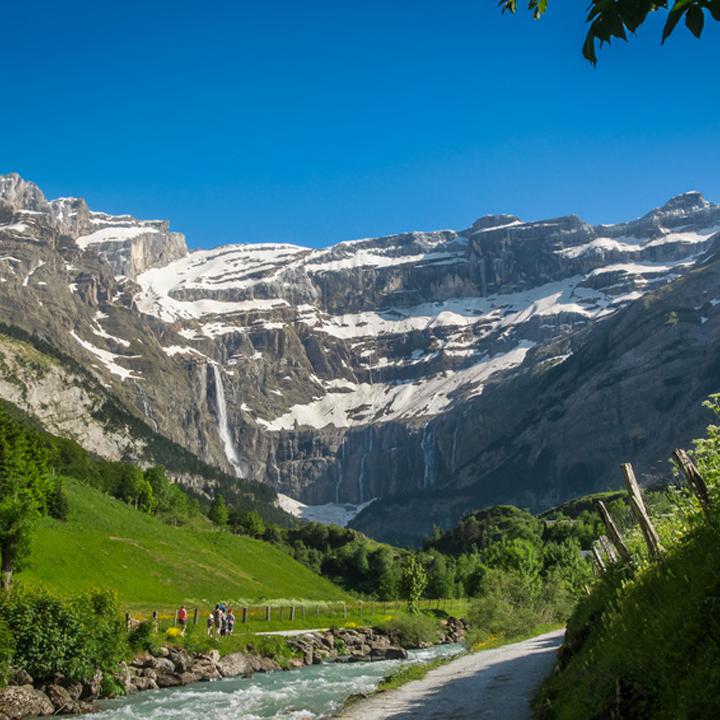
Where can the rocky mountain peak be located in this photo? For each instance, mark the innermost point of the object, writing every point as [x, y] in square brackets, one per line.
[130, 246]
[487, 222]
[685, 203]
[20, 194]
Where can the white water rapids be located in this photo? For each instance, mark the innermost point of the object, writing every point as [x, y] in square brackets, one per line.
[305, 694]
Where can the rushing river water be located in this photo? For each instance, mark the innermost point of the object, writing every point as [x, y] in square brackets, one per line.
[304, 694]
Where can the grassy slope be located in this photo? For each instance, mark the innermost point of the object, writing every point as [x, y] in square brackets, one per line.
[657, 635]
[151, 565]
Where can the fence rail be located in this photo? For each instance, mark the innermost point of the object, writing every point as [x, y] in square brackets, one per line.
[300, 612]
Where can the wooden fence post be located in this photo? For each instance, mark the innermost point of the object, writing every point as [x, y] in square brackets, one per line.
[128, 621]
[607, 546]
[598, 557]
[638, 507]
[155, 621]
[196, 614]
[244, 615]
[613, 532]
[695, 480]
[292, 613]
[267, 613]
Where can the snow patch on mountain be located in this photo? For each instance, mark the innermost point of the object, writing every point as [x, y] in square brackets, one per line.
[328, 514]
[346, 403]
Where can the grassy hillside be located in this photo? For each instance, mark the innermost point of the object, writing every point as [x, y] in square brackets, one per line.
[105, 543]
[645, 647]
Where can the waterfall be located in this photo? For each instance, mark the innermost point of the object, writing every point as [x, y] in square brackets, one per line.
[291, 460]
[363, 463]
[428, 449]
[340, 471]
[222, 421]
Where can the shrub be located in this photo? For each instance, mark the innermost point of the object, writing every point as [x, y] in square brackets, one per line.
[141, 637]
[412, 631]
[509, 604]
[70, 638]
[7, 649]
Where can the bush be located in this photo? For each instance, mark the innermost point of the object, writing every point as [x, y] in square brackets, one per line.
[7, 650]
[412, 631]
[58, 637]
[141, 637]
[507, 606]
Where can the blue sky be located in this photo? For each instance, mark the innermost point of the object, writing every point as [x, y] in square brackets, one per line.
[316, 122]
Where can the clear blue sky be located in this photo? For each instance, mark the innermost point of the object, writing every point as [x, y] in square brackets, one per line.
[314, 122]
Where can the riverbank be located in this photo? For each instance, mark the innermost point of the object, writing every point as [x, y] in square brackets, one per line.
[174, 667]
[497, 683]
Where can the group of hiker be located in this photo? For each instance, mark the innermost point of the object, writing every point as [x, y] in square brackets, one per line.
[220, 622]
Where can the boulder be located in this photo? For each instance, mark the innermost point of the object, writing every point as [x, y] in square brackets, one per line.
[164, 665]
[235, 664]
[180, 659]
[167, 679]
[396, 653]
[22, 701]
[91, 689]
[295, 663]
[186, 678]
[74, 689]
[20, 677]
[205, 670]
[124, 676]
[144, 683]
[61, 700]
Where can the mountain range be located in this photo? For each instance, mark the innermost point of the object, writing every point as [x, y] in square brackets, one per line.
[432, 373]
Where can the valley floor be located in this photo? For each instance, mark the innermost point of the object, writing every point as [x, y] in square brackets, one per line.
[495, 684]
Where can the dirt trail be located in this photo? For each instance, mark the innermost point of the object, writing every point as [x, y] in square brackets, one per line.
[489, 685]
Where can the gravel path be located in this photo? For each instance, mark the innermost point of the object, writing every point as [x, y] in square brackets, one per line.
[489, 685]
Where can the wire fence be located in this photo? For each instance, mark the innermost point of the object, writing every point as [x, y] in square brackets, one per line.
[330, 612]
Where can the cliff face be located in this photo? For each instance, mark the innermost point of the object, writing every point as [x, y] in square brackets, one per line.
[441, 368]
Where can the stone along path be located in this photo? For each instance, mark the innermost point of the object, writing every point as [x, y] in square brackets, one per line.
[489, 685]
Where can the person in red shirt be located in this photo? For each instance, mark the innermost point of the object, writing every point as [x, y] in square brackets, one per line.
[182, 618]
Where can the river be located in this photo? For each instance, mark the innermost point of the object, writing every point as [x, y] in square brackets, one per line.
[311, 692]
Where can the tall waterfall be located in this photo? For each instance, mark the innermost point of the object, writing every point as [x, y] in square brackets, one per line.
[428, 448]
[222, 420]
[363, 462]
[340, 471]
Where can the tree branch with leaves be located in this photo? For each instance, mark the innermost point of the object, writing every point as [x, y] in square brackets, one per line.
[610, 19]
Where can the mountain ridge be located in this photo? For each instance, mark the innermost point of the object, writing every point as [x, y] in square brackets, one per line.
[334, 374]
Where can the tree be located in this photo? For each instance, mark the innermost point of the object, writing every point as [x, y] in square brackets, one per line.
[24, 491]
[615, 18]
[413, 582]
[218, 512]
[135, 490]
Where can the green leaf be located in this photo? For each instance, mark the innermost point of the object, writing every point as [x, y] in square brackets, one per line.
[695, 20]
[589, 48]
[672, 21]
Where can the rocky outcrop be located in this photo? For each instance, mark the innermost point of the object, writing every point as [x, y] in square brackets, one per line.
[397, 368]
[21, 701]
